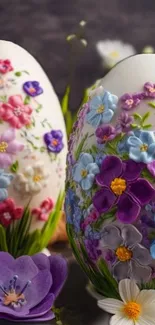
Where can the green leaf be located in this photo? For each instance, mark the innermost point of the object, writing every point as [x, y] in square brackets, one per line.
[80, 147]
[69, 122]
[152, 104]
[104, 269]
[137, 117]
[25, 72]
[134, 126]
[145, 117]
[27, 100]
[43, 149]
[146, 174]
[3, 99]
[147, 126]
[3, 242]
[65, 101]
[38, 109]
[18, 74]
[14, 167]
[104, 217]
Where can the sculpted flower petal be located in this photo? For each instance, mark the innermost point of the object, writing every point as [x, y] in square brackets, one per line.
[142, 191]
[128, 290]
[110, 305]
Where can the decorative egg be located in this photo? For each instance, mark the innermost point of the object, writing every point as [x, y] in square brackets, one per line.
[33, 143]
[110, 188]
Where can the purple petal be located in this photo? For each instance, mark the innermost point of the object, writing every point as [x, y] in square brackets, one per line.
[39, 288]
[125, 97]
[6, 274]
[104, 199]
[142, 191]
[6, 259]
[48, 137]
[46, 317]
[5, 160]
[57, 134]
[141, 255]
[25, 268]
[141, 274]
[128, 209]
[111, 237]
[131, 235]
[41, 261]
[58, 267]
[151, 167]
[43, 307]
[121, 270]
[110, 169]
[132, 170]
[8, 135]
[14, 147]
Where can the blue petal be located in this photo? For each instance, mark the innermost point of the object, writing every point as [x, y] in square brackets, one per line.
[87, 182]
[4, 182]
[107, 116]
[147, 137]
[95, 102]
[96, 120]
[134, 142]
[135, 154]
[77, 172]
[151, 150]
[93, 168]
[152, 250]
[3, 194]
[112, 101]
[85, 159]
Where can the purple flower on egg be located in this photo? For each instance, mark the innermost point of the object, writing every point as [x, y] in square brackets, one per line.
[151, 167]
[149, 90]
[32, 88]
[128, 257]
[105, 133]
[54, 141]
[122, 186]
[129, 102]
[29, 286]
[92, 248]
[124, 122]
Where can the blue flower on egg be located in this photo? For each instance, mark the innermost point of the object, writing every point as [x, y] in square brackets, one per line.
[141, 146]
[84, 171]
[5, 180]
[101, 109]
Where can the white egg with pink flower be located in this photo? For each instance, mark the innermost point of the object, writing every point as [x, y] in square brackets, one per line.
[33, 141]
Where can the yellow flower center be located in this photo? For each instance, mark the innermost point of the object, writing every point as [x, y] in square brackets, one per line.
[151, 89]
[129, 101]
[132, 310]
[32, 90]
[123, 254]
[84, 173]
[100, 109]
[37, 178]
[114, 54]
[12, 297]
[3, 146]
[118, 186]
[143, 147]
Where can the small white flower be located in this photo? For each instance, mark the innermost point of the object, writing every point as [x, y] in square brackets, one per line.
[136, 308]
[113, 52]
[32, 180]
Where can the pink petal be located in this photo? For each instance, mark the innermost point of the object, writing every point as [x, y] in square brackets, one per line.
[16, 100]
[6, 112]
[15, 147]
[8, 135]
[27, 109]
[15, 122]
[43, 217]
[18, 213]
[5, 160]
[24, 119]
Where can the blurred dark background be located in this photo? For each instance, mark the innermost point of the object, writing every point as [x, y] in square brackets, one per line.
[41, 27]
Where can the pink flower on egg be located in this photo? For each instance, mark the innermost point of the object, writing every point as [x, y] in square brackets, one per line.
[9, 212]
[9, 147]
[5, 66]
[42, 213]
[15, 112]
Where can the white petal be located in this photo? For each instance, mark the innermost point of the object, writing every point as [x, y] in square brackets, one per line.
[110, 305]
[145, 321]
[128, 290]
[119, 320]
[29, 171]
[146, 297]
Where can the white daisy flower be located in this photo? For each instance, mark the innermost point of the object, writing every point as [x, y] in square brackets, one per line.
[32, 179]
[113, 52]
[136, 308]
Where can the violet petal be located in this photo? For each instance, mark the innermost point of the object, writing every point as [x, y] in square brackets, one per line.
[141, 274]
[58, 267]
[41, 261]
[121, 270]
[141, 255]
[132, 170]
[110, 169]
[128, 209]
[25, 268]
[111, 237]
[131, 236]
[142, 191]
[104, 199]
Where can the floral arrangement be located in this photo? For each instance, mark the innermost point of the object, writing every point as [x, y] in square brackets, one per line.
[29, 286]
[23, 175]
[110, 200]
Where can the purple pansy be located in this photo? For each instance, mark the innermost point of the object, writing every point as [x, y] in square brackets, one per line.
[149, 90]
[105, 133]
[129, 102]
[9, 147]
[32, 88]
[124, 122]
[122, 186]
[29, 286]
[54, 141]
[128, 257]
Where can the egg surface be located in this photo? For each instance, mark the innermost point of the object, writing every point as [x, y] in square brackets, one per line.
[33, 143]
[110, 188]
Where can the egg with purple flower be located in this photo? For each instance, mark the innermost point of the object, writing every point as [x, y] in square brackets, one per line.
[33, 142]
[110, 186]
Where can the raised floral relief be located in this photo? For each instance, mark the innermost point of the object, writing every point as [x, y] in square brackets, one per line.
[9, 212]
[54, 141]
[9, 147]
[5, 66]
[32, 88]
[42, 213]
